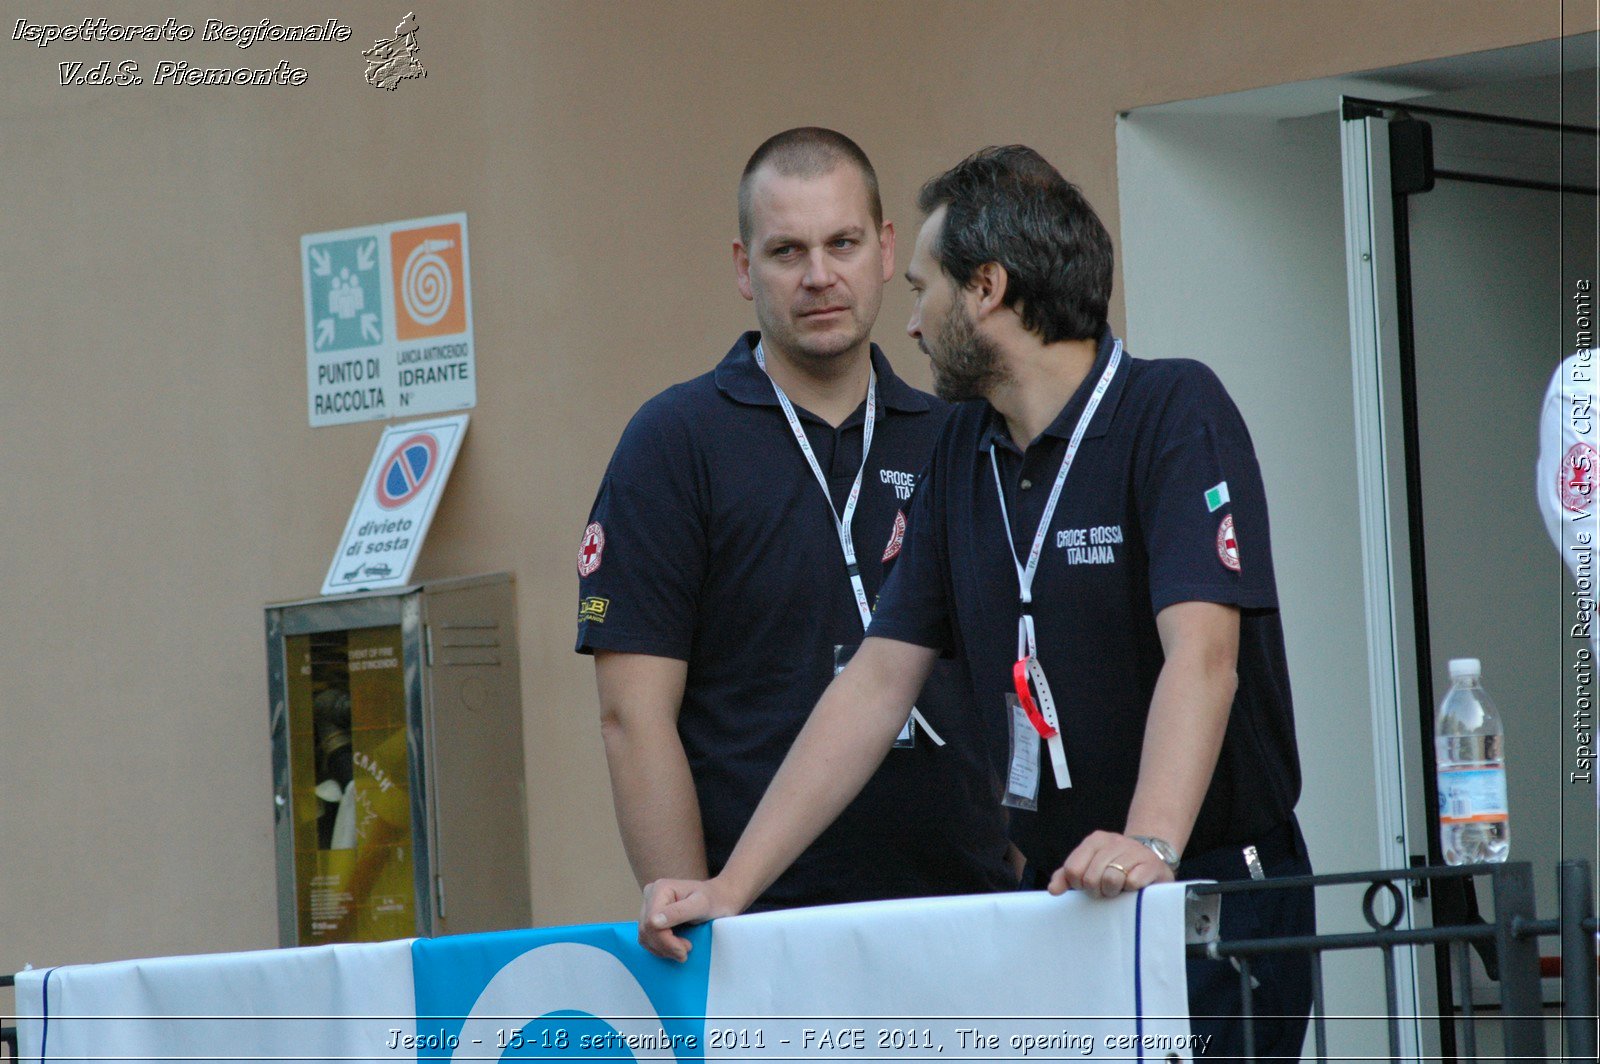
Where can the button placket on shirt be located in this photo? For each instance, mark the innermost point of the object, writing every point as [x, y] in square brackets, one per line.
[1026, 506]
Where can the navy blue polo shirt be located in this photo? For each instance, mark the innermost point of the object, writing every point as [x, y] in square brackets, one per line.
[1163, 504]
[710, 541]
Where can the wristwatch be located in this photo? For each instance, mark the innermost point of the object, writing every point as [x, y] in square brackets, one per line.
[1161, 848]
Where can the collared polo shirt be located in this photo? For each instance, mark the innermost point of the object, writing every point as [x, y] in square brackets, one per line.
[1163, 504]
[710, 541]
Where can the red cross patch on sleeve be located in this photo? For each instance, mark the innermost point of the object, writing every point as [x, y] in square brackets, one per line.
[896, 537]
[1575, 478]
[1227, 544]
[594, 545]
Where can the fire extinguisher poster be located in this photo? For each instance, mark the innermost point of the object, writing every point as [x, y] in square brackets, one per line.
[388, 320]
[350, 764]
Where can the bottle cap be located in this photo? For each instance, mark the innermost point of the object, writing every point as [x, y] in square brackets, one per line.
[1463, 668]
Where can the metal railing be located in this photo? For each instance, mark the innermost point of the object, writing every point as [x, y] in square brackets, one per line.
[1508, 943]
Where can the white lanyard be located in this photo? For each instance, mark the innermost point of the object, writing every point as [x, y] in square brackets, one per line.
[1044, 715]
[841, 524]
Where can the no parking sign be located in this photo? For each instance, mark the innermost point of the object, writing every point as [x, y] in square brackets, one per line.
[395, 506]
[407, 470]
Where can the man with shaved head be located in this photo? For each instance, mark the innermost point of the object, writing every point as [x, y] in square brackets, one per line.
[737, 544]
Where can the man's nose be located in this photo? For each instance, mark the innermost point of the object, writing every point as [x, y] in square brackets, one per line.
[819, 271]
[914, 324]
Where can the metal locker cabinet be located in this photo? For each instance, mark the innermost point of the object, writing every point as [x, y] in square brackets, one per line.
[399, 799]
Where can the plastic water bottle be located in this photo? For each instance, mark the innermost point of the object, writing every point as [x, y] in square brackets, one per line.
[1470, 745]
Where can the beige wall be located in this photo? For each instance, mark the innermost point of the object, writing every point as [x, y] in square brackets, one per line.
[162, 483]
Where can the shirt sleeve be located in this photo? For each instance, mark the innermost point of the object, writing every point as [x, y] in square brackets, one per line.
[1202, 503]
[1565, 472]
[642, 556]
[914, 605]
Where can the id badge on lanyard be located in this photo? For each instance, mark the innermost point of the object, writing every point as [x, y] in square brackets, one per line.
[1027, 675]
[1022, 779]
[841, 524]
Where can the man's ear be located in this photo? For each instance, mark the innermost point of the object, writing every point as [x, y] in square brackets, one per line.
[988, 285]
[886, 246]
[741, 270]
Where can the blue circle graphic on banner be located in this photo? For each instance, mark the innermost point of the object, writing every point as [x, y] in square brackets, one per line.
[407, 470]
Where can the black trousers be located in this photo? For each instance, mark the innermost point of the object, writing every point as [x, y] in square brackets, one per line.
[1281, 998]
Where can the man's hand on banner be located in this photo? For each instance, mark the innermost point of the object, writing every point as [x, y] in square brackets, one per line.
[670, 903]
[1107, 864]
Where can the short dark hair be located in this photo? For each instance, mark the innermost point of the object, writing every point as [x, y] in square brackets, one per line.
[807, 151]
[1008, 205]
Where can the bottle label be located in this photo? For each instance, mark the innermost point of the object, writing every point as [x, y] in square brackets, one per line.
[1475, 794]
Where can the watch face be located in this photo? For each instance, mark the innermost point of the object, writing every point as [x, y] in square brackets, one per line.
[1162, 848]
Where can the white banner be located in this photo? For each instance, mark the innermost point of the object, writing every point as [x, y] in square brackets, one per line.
[1004, 976]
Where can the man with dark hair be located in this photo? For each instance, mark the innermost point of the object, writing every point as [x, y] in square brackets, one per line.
[1011, 202]
[1163, 736]
[743, 528]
